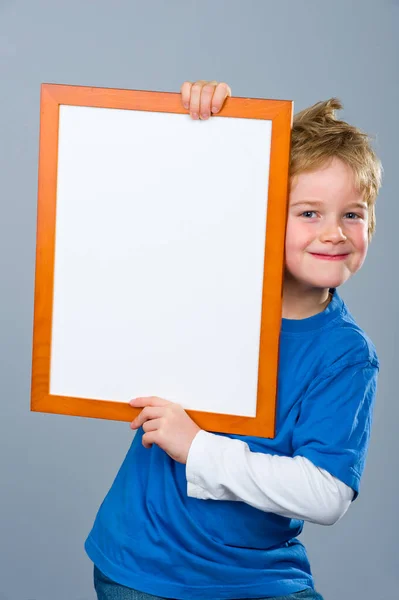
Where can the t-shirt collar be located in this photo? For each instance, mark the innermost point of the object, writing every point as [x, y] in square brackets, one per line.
[316, 321]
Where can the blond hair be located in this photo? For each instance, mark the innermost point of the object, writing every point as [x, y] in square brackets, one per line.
[318, 136]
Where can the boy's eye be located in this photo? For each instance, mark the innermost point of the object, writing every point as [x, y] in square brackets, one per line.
[309, 214]
[352, 215]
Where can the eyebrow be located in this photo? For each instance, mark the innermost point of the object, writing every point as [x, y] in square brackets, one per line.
[361, 205]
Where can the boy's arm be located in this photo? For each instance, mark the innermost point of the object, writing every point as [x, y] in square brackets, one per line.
[221, 468]
[330, 444]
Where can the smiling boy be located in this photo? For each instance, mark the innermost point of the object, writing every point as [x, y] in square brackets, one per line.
[194, 514]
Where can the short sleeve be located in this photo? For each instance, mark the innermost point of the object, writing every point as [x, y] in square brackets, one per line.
[333, 428]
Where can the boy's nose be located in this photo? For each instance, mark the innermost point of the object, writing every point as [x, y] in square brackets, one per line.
[333, 233]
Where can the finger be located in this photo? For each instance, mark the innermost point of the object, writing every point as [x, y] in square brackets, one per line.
[149, 439]
[207, 92]
[195, 98]
[141, 402]
[152, 425]
[148, 413]
[222, 91]
[185, 91]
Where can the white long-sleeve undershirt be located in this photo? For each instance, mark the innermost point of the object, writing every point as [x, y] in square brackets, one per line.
[222, 468]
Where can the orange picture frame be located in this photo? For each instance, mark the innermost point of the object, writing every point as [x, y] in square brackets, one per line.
[280, 113]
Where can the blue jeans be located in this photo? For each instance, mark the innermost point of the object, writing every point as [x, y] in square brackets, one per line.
[109, 590]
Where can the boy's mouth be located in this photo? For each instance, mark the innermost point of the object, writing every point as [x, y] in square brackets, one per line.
[330, 256]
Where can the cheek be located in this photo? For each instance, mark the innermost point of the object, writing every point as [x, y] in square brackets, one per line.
[363, 247]
[298, 236]
[360, 241]
[296, 241]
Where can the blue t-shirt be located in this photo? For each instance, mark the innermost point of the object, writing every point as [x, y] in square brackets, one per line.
[150, 536]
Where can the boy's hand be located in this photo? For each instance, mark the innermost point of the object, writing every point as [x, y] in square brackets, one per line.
[165, 424]
[204, 97]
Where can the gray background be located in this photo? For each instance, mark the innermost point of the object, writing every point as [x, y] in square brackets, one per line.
[55, 470]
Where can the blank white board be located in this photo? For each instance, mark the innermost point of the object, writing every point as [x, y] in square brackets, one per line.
[159, 256]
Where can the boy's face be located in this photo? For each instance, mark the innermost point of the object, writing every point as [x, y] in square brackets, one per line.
[327, 227]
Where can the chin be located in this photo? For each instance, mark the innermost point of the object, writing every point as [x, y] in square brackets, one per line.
[320, 276]
[326, 282]
[331, 282]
